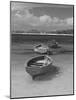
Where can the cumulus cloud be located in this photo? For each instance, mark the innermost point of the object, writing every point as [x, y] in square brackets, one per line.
[45, 19]
[22, 15]
[69, 21]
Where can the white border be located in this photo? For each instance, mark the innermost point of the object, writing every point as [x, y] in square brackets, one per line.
[5, 48]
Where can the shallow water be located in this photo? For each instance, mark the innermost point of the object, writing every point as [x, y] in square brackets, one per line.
[59, 81]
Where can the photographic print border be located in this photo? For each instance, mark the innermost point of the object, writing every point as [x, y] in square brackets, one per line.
[10, 51]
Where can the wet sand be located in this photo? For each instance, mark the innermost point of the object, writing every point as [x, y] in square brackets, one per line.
[59, 81]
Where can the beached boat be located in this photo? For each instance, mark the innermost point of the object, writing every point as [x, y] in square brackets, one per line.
[41, 48]
[39, 65]
[54, 44]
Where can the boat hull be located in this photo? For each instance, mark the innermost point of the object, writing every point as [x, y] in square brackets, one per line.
[34, 68]
[38, 70]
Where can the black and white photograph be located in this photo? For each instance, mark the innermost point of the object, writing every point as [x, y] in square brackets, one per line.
[41, 49]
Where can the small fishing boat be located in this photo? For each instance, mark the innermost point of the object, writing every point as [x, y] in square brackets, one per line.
[39, 65]
[54, 44]
[41, 48]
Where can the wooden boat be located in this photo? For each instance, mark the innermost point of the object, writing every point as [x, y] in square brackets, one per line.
[41, 48]
[39, 65]
[53, 44]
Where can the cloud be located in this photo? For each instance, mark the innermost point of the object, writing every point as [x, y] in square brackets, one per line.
[19, 6]
[69, 21]
[45, 19]
[22, 5]
[21, 16]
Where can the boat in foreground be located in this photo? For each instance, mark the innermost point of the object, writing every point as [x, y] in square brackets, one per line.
[39, 65]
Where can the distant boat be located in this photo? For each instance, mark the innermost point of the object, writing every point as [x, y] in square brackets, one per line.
[54, 44]
[39, 65]
[41, 48]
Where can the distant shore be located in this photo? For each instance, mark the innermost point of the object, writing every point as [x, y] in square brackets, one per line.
[44, 34]
[21, 38]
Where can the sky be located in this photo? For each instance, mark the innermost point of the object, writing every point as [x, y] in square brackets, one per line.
[43, 17]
